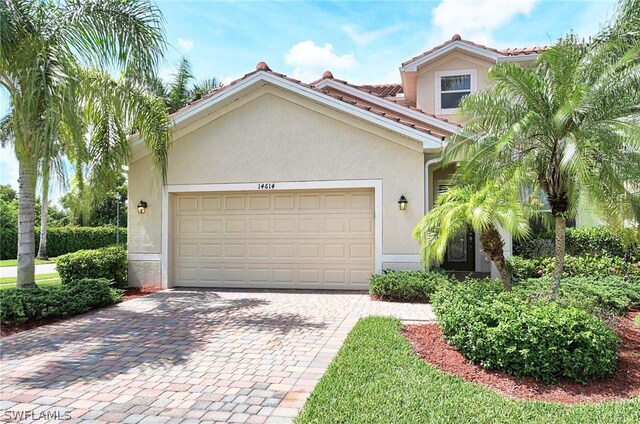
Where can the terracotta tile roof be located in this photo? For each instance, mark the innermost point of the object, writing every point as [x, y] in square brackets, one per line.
[456, 38]
[399, 101]
[336, 94]
[382, 90]
[385, 112]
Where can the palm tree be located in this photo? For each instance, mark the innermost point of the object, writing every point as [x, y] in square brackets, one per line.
[484, 209]
[181, 90]
[571, 121]
[46, 48]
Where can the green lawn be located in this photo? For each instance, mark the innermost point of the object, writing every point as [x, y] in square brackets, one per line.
[376, 378]
[637, 320]
[14, 262]
[42, 279]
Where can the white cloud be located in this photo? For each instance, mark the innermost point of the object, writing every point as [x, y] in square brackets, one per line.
[362, 38]
[309, 60]
[477, 19]
[185, 45]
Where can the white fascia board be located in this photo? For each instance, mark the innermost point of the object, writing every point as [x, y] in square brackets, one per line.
[444, 50]
[390, 105]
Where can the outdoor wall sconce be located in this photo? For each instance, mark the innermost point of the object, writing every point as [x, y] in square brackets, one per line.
[402, 203]
[142, 207]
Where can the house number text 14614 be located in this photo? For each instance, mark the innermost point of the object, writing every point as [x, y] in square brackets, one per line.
[266, 186]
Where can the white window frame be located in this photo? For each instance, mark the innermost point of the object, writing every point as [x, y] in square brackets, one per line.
[473, 73]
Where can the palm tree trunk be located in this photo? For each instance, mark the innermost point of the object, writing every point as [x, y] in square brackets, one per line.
[81, 195]
[26, 223]
[42, 248]
[493, 245]
[561, 229]
[501, 265]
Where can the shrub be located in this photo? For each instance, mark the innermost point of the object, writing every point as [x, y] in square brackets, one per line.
[61, 240]
[408, 286]
[582, 241]
[502, 331]
[523, 268]
[586, 265]
[601, 296]
[109, 262]
[25, 305]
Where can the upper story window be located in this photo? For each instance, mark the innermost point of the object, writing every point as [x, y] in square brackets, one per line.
[451, 87]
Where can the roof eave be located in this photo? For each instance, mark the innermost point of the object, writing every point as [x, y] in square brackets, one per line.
[415, 64]
[438, 123]
[523, 57]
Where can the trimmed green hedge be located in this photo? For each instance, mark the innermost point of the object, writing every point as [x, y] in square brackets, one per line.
[108, 262]
[61, 240]
[586, 265]
[600, 296]
[502, 331]
[406, 286]
[582, 241]
[25, 305]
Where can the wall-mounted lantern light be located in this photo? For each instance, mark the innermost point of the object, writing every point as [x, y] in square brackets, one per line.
[402, 203]
[142, 206]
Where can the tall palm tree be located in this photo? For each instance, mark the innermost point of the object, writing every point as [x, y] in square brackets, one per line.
[53, 58]
[484, 209]
[572, 121]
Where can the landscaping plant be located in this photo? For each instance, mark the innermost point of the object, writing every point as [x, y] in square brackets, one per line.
[481, 208]
[61, 240]
[17, 306]
[407, 286]
[575, 266]
[544, 340]
[110, 263]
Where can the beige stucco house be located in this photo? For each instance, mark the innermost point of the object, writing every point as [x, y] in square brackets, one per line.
[274, 183]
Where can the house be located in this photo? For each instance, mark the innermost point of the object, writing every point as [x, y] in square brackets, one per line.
[275, 183]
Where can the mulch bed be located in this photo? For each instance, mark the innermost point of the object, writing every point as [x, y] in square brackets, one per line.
[428, 343]
[129, 293]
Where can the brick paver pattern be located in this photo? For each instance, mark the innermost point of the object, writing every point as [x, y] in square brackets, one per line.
[183, 356]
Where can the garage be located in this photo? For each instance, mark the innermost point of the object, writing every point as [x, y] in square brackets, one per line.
[299, 239]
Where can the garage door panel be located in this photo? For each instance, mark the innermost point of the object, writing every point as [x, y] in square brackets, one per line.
[211, 203]
[305, 239]
[187, 203]
[211, 226]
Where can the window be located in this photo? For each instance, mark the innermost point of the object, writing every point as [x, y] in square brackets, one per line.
[451, 87]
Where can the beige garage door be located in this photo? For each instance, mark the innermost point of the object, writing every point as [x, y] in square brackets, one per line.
[274, 239]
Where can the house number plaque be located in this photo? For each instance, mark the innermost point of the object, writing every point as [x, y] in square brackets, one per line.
[266, 186]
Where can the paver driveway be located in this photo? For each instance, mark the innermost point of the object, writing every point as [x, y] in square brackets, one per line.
[184, 356]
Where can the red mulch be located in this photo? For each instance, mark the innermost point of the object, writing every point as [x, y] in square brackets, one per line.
[133, 292]
[129, 293]
[428, 343]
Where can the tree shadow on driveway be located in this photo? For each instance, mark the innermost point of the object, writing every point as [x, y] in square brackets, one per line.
[162, 330]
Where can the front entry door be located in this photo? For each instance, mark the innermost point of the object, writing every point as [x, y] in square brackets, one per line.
[460, 254]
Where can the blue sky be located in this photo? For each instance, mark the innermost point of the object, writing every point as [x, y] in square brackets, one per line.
[360, 41]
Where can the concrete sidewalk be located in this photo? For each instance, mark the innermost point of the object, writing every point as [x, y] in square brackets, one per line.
[12, 271]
